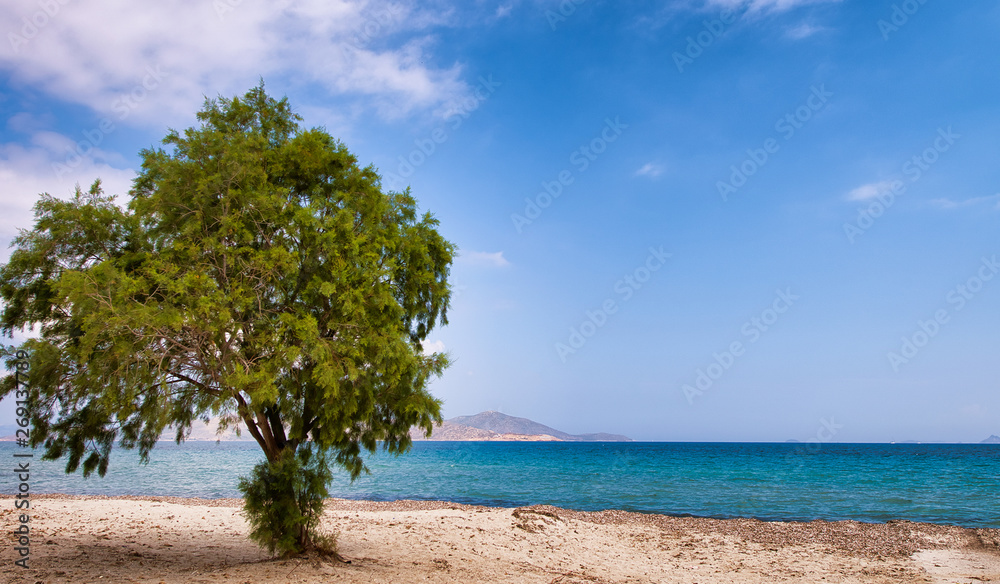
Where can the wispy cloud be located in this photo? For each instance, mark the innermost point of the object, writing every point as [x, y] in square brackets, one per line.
[802, 31]
[373, 55]
[650, 169]
[946, 203]
[225, 46]
[26, 171]
[869, 191]
[482, 258]
[765, 5]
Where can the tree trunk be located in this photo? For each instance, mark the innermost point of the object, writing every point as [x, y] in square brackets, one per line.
[305, 542]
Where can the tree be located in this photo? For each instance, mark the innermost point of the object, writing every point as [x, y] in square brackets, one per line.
[258, 275]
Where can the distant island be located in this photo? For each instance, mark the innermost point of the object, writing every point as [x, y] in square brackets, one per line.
[494, 426]
[485, 426]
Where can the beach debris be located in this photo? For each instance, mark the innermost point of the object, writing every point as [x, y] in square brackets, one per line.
[534, 519]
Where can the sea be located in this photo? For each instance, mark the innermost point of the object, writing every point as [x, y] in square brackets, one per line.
[954, 484]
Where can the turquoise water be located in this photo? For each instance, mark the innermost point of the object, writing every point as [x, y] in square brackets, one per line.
[952, 484]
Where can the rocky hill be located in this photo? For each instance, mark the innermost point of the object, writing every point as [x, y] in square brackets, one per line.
[451, 432]
[994, 439]
[486, 426]
[200, 432]
[495, 426]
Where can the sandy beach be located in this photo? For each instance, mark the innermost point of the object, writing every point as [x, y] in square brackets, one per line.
[162, 540]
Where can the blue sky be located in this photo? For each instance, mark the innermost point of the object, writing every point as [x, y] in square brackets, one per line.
[773, 219]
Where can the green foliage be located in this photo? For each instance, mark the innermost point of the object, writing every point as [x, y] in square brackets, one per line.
[283, 501]
[258, 273]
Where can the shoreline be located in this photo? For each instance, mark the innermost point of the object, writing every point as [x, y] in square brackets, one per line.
[149, 539]
[431, 504]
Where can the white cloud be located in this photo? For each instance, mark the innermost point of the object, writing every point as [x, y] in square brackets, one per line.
[482, 258]
[95, 55]
[504, 10]
[946, 203]
[434, 347]
[765, 5]
[650, 169]
[869, 191]
[27, 171]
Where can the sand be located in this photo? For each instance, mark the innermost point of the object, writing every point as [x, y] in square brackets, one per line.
[160, 540]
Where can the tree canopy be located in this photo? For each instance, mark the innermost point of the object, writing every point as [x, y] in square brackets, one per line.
[257, 274]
